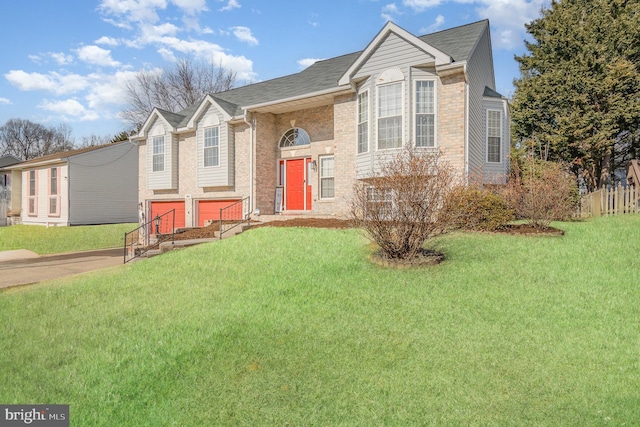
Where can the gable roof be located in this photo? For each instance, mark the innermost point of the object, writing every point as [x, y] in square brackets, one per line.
[457, 44]
[63, 155]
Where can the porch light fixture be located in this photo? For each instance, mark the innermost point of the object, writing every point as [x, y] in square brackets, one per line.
[314, 166]
[156, 220]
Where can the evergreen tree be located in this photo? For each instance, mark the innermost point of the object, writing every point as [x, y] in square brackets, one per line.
[578, 96]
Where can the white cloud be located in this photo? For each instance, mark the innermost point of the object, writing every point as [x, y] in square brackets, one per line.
[5, 101]
[233, 4]
[109, 90]
[244, 35]
[96, 55]
[134, 10]
[61, 58]
[53, 82]
[507, 17]
[109, 41]
[307, 62]
[69, 108]
[390, 12]
[421, 5]
[437, 24]
[191, 7]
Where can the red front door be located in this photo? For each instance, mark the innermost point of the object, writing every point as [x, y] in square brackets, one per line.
[297, 190]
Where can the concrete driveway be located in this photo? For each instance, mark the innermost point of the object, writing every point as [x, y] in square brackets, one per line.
[23, 267]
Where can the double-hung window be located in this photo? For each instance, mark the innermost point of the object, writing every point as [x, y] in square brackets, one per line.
[33, 193]
[390, 116]
[494, 135]
[211, 147]
[363, 122]
[158, 154]
[425, 113]
[327, 190]
[54, 196]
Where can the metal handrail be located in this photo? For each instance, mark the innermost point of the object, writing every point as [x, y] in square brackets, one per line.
[234, 215]
[138, 242]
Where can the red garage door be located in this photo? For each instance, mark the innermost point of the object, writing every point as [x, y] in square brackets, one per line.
[159, 208]
[210, 210]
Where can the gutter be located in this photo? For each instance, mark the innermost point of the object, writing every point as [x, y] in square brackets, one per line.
[332, 91]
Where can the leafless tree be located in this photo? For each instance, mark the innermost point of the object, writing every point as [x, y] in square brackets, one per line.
[174, 89]
[401, 206]
[27, 140]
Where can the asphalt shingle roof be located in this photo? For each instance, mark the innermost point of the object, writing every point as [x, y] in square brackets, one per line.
[66, 154]
[457, 42]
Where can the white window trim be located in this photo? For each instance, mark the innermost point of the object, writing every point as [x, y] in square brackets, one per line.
[321, 177]
[32, 198]
[368, 92]
[163, 154]
[54, 198]
[500, 154]
[216, 147]
[402, 116]
[415, 113]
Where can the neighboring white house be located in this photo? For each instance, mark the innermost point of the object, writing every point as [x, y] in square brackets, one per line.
[94, 185]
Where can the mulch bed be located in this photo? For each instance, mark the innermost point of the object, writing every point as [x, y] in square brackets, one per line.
[335, 223]
[208, 232]
[527, 230]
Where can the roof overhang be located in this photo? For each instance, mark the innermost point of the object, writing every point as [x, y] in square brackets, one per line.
[32, 164]
[453, 68]
[204, 105]
[155, 114]
[301, 102]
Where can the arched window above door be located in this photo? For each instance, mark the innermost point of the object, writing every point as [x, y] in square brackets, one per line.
[294, 137]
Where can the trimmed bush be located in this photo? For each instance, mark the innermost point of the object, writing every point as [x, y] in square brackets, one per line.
[479, 210]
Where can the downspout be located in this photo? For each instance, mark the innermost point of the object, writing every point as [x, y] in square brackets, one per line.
[251, 123]
[466, 134]
[68, 192]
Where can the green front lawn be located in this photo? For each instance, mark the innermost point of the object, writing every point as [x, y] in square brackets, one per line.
[43, 240]
[295, 327]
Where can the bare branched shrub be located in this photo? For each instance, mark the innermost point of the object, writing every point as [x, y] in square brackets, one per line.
[541, 192]
[400, 206]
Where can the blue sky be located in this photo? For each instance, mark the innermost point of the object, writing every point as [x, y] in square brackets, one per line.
[68, 61]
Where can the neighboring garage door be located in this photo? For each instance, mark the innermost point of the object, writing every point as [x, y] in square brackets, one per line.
[210, 210]
[159, 208]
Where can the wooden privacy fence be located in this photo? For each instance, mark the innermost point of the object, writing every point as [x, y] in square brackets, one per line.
[611, 201]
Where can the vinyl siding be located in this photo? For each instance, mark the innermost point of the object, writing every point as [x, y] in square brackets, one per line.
[168, 178]
[393, 53]
[480, 74]
[222, 174]
[393, 50]
[104, 186]
[497, 172]
[42, 216]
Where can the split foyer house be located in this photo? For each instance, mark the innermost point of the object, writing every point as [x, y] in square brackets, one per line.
[93, 185]
[297, 144]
